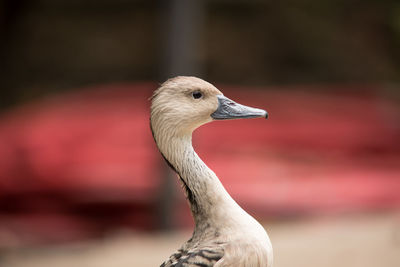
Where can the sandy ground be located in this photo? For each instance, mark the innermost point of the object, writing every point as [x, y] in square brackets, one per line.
[363, 240]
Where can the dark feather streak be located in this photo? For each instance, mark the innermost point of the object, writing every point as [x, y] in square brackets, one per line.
[189, 193]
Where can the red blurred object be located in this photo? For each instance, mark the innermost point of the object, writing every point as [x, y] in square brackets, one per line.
[320, 151]
[86, 161]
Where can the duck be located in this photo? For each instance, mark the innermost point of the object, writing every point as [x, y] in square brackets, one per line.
[224, 234]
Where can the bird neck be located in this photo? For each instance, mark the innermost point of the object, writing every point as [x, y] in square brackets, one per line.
[209, 202]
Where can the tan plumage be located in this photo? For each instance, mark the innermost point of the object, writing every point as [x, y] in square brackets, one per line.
[224, 234]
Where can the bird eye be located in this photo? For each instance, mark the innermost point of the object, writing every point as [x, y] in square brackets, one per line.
[197, 95]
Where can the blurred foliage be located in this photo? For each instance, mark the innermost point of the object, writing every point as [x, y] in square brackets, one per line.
[308, 41]
[50, 45]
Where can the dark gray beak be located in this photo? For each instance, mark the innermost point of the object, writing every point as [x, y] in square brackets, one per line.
[229, 109]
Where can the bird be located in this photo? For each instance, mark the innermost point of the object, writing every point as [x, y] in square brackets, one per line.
[224, 234]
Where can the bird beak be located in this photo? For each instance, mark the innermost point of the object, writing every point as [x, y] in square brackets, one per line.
[229, 109]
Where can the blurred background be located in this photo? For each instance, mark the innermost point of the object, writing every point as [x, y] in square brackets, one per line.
[82, 182]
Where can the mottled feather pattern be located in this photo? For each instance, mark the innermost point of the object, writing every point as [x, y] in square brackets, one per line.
[203, 257]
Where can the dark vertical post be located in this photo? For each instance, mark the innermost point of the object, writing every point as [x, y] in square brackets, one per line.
[182, 38]
[181, 54]
[10, 13]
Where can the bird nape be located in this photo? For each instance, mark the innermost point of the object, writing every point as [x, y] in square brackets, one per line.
[224, 234]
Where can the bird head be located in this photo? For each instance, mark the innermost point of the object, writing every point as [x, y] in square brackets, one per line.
[182, 104]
